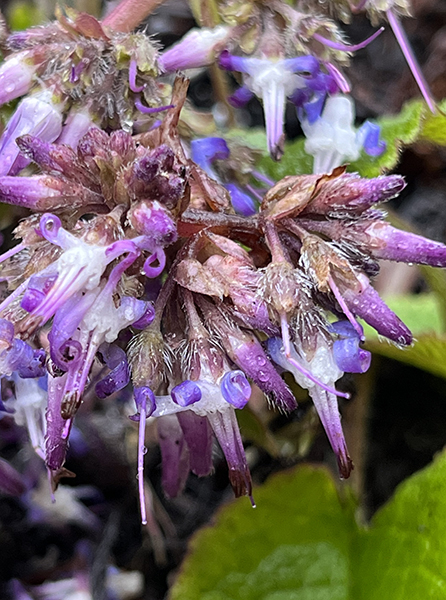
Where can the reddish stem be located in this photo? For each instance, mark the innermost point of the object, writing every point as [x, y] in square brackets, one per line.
[129, 14]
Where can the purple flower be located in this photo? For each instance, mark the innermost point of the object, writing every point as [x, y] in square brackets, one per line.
[196, 49]
[16, 76]
[272, 81]
[323, 367]
[348, 355]
[332, 139]
[36, 115]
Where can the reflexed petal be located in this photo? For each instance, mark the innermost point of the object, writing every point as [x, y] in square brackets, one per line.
[198, 435]
[174, 455]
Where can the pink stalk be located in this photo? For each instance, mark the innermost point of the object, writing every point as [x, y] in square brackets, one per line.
[341, 81]
[345, 309]
[129, 14]
[11, 252]
[347, 47]
[141, 453]
[401, 37]
[299, 367]
[133, 69]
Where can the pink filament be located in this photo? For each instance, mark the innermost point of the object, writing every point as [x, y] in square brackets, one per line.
[141, 451]
[345, 309]
[347, 47]
[299, 367]
[132, 77]
[401, 37]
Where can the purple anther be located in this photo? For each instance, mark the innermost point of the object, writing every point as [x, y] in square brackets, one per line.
[346, 47]
[235, 388]
[147, 317]
[205, 150]
[158, 256]
[186, 393]
[240, 97]
[149, 110]
[133, 71]
[49, 227]
[369, 136]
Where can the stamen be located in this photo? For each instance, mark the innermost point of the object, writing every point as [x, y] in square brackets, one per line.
[298, 366]
[345, 309]
[341, 81]
[148, 110]
[141, 453]
[12, 252]
[401, 37]
[133, 71]
[346, 47]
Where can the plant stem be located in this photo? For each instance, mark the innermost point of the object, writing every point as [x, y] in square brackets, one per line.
[129, 14]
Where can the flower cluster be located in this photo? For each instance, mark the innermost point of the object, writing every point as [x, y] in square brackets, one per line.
[178, 267]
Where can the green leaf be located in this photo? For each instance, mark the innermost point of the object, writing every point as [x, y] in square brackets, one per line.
[249, 554]
[423, 315]
[396, 131]
[303, 543]
[434, 126]
[402, 555]
[295, 161]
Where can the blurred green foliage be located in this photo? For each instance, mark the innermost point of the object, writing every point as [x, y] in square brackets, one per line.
[304, 543]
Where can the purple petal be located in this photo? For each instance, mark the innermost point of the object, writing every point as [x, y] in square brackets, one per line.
[196, 49]
[402, 246]
[198, 435]
[235, 388]
[11, 481]
[368, 305]
[6, 334]
[34, 367]
[116, 359]
[368, 135]
[152, 220]
[16, 77]
[231, 62]
[349, 357]
[243, 203]
[146, 319]
[186, 393]
[226, 430]
[302, 64]
[159, 257]
[240, 97]
[253, 361]
[34, 116]
[205, 150]
[76, 126]
[327, 407]
[174, 455]
[56, 439]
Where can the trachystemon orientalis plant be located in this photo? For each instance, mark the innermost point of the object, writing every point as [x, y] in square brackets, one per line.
[172, 262]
